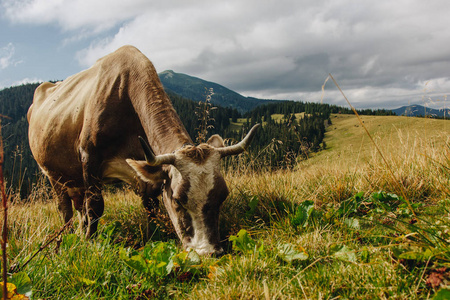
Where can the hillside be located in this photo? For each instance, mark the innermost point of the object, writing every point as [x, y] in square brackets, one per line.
[286, 234]
[195, 88]
[348, 144]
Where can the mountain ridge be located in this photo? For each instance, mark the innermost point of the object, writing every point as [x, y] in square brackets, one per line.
[415, 110]
[196, 89]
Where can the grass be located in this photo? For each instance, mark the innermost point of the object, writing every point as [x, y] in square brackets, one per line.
[236, 126]
[364, 254]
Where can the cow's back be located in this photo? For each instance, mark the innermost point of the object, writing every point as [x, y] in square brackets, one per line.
[77, 110]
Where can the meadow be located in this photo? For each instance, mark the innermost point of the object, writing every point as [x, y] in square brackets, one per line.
[343, 224]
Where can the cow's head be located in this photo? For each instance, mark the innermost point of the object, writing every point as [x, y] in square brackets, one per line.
[194, 189]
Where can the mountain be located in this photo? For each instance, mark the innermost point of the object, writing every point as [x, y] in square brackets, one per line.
[419, 110]
[196, 89]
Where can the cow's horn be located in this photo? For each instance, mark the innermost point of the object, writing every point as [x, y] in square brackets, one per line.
[155, 160]
[241, 146]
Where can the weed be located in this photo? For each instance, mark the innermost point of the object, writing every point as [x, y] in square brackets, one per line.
[203, 112]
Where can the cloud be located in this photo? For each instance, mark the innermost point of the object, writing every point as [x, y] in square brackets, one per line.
[5, 84]
[73, 15]
[6, 56]
[380, 51]
[27, 80]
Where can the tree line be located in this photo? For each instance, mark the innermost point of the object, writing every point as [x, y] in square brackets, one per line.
[279, 143]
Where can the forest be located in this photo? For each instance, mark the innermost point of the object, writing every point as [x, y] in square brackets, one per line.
[280, 143]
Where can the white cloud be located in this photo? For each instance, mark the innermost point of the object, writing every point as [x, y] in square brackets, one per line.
[6, 56]
[5, 84]
[381, 51]
[75, 14]
[27, 80]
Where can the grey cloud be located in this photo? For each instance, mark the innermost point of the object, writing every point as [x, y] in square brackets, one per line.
[381, 51]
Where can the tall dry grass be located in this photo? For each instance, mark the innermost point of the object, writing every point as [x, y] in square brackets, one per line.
[261, 201]
[418, 162]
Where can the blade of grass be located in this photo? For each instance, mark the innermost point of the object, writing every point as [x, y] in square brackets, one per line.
[395, 180]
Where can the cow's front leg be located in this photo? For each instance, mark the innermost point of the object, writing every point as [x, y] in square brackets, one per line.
[92, 210]
[149, 193]
[93, 200]
[64, 201]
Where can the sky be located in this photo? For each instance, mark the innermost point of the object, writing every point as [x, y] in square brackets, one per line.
[383, 54]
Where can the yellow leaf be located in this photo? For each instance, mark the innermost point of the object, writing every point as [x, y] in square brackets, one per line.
[12, 290]
[212, 272]
[19, 297]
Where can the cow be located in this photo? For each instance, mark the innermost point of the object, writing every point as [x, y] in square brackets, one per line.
[114, 122]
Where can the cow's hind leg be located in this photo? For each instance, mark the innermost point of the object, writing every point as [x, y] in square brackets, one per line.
[64, 201]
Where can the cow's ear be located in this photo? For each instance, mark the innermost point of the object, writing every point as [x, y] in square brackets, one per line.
[145, 172]
[216, 141]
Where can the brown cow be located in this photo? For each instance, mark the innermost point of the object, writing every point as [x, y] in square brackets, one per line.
[84, 132]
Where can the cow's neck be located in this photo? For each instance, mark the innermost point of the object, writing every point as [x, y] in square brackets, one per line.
[163, 127]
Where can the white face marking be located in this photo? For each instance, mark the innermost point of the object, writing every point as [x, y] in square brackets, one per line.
[190, 184]
[201, 182]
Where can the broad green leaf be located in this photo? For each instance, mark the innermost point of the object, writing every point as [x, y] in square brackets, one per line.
[418, 256]
[290, 253]
[252, 207]
[136, 262]
[350, 206]
[352, 223]
[303, 213]
[243, 242]
[387, 201]
[187, 259]
[342, 252]
[22, 282]
[163, 252]
[442, 294]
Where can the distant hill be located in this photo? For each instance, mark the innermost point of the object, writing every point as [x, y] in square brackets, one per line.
[419, 110]
[195, 88]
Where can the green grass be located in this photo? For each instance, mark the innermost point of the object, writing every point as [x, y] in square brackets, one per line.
[235, 126]
[366, 253]
[279, 117]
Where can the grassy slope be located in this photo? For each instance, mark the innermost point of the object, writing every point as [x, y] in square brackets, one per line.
[414, 148]
[347, 140]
